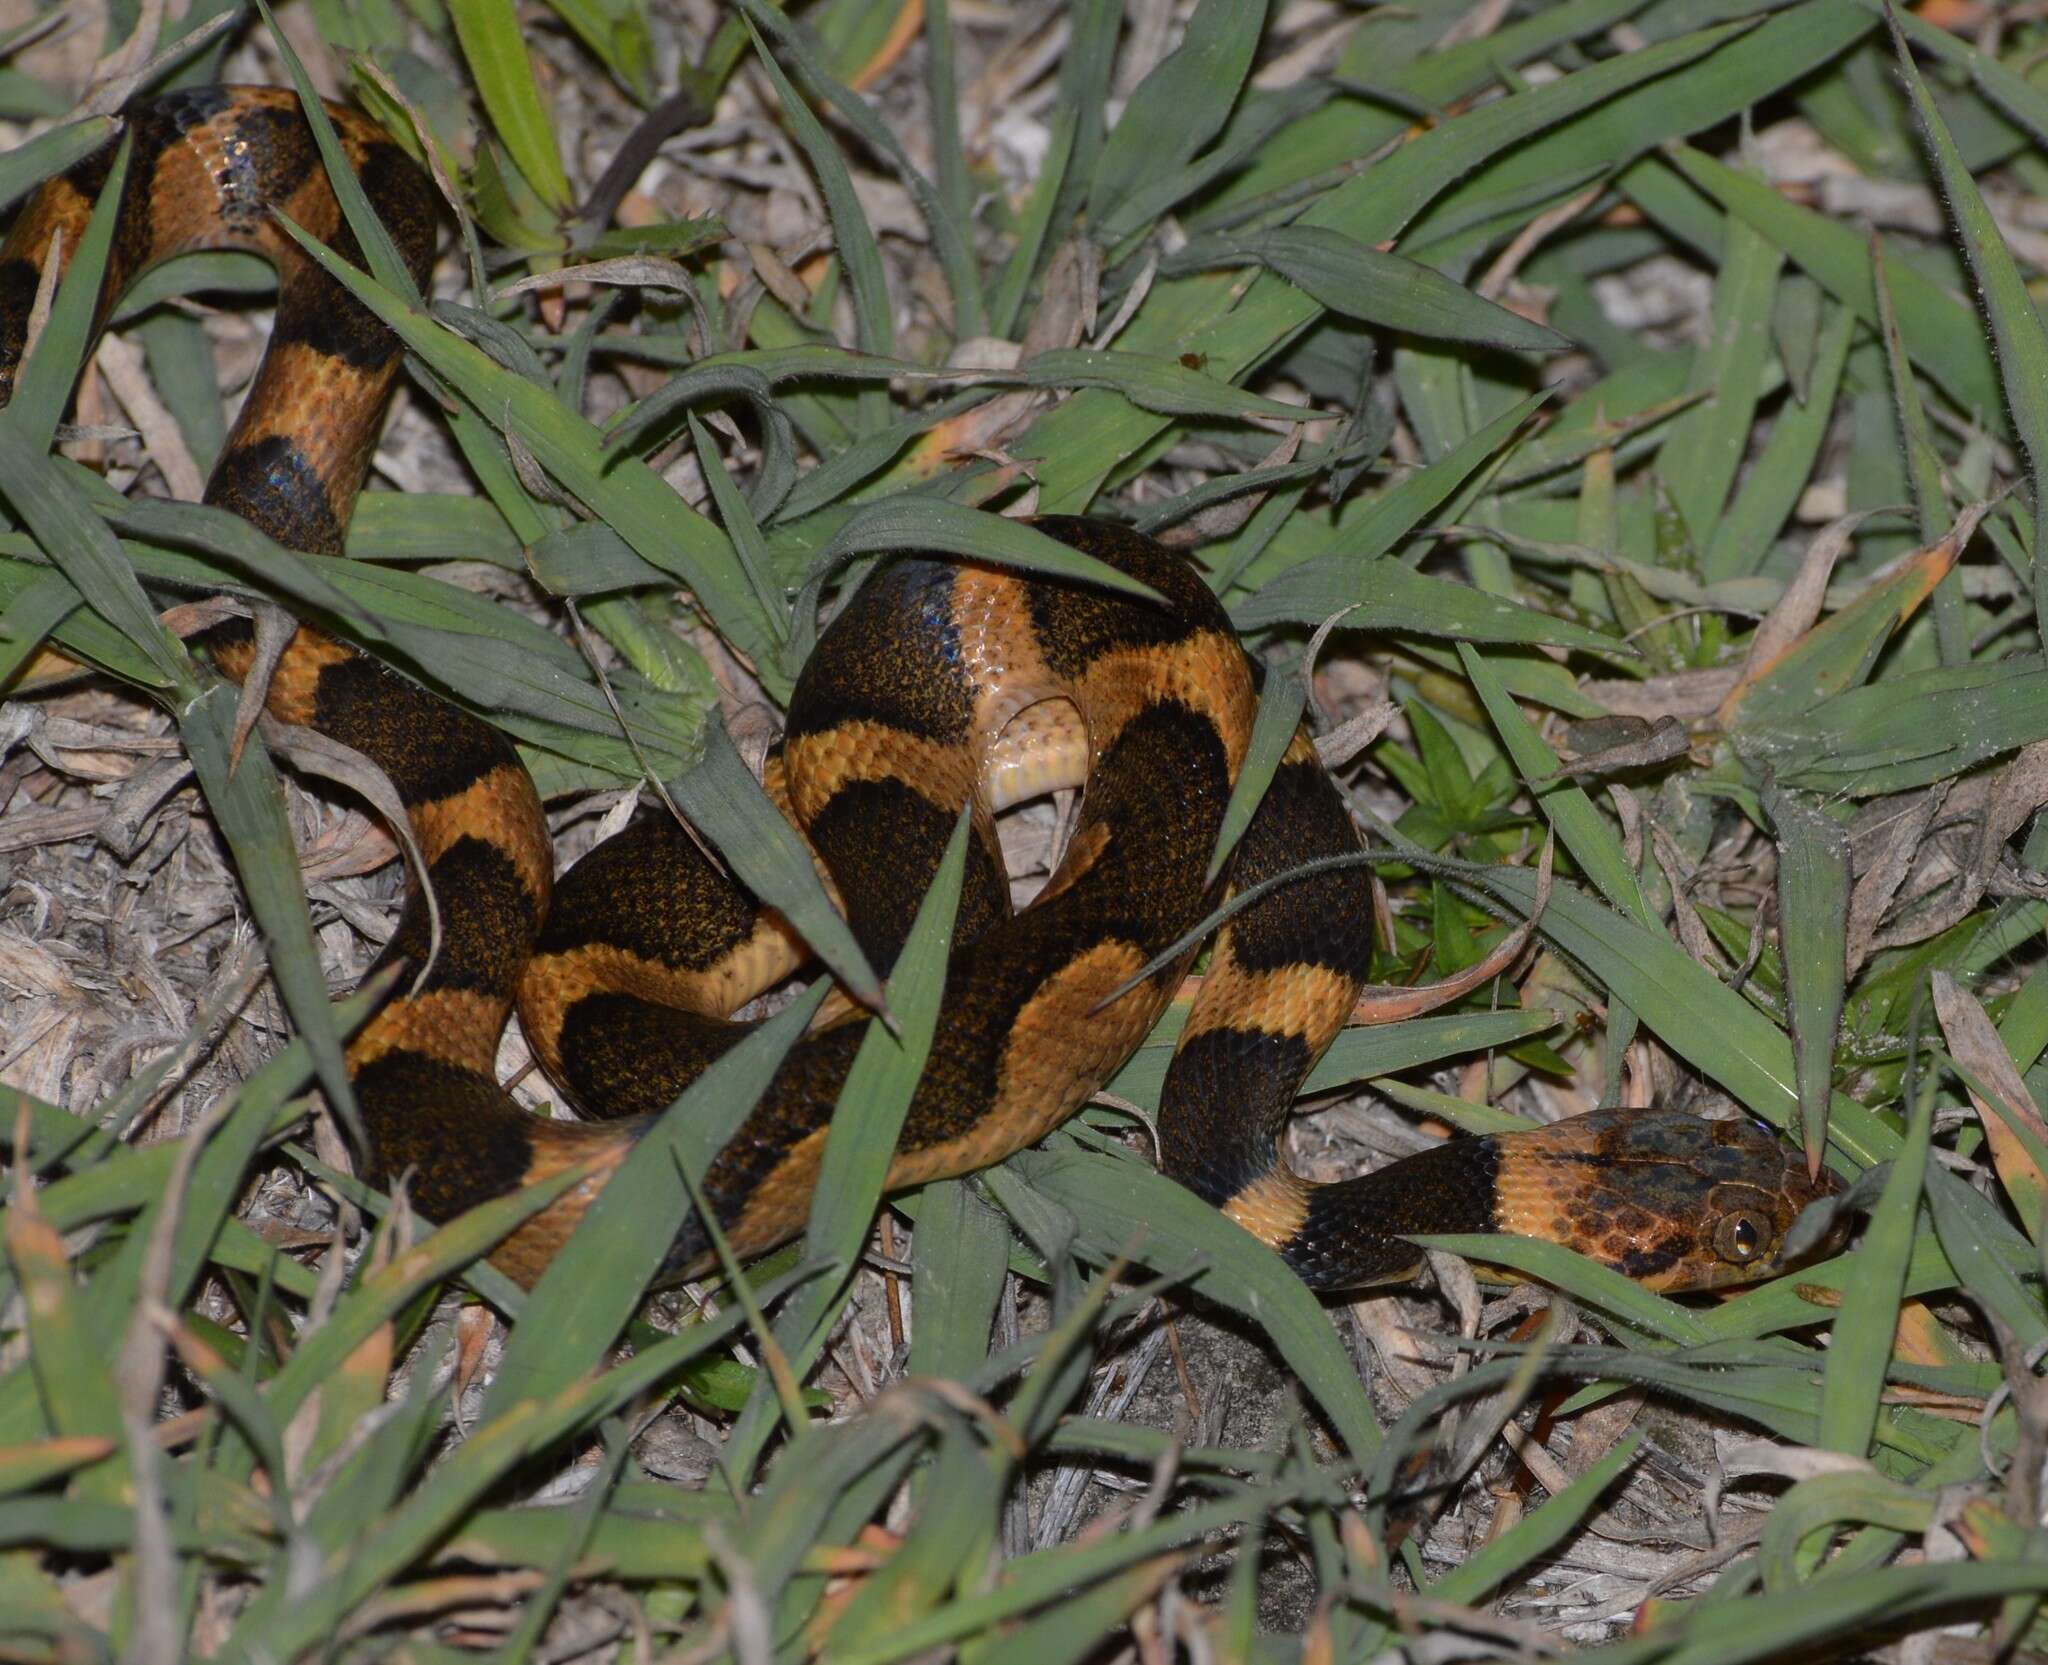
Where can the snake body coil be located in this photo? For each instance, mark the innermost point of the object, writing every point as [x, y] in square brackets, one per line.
[940, 685]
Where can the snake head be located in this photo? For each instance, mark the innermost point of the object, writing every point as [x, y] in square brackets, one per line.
[1671, 1200]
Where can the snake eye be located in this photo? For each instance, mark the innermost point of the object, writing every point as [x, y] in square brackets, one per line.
[1741, 1238]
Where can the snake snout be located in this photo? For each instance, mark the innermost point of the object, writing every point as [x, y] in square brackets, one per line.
[1753, 1212]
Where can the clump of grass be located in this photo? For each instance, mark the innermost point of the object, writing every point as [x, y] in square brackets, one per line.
[1647, 399]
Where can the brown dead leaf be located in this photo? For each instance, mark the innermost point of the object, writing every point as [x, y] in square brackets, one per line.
[1884, 841]
[1797, 610]
[1686, 695]
[2009, 1111]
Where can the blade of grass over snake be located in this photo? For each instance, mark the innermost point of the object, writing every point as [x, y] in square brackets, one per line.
[223, 272]
[1364, 1052]
[862, 1140]
[380, 253]
[81, 547]
[525, 677]
[931, 523]
[1584, 1280]
[576, 1311]
[1813, 928]
[2020, 342]
[630, 496]
[429, 526]
[1280, 707]
[44, 380]
[727, 805]
[28, 164]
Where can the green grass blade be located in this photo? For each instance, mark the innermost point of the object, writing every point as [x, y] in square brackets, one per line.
[1940, 333]
[1536, 1533]
[1703, 449]
[1386, 595]
[853, 237]
[81, 547]
[1279, 715]
[960, 1256]
[27, 165]
[28, 617]
[1813, 925]
[494, 45]
[1107, 1193]
[2017, 335]
[632, 499]
[1565, 805]
[1741, 538]
[1355, 281]
[726, 804]
[947, 227]
[1081, 442]
[1179, 107]
[576, 1311]
[381, 253]
[44, 380]
[862, 1141]
[1853, 1386]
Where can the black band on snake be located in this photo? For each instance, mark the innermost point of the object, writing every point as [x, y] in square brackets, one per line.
[940, 684]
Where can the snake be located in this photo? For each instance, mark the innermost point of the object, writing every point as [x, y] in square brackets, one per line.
[941, 688]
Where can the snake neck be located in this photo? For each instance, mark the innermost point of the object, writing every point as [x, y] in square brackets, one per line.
[1356, 1232]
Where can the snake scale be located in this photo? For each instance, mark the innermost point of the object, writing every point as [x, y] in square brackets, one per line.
[941, 684]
